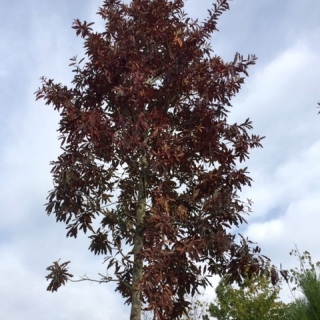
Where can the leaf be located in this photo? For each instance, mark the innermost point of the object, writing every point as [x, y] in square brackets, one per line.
[58, 276]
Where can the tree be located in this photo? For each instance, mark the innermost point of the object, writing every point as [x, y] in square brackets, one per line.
[305, 278]
[148, 154]
[305, 265]
[308, 306]
[256, 298]
[197, 309]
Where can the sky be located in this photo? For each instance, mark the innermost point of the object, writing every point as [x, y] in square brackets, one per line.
[280, 97]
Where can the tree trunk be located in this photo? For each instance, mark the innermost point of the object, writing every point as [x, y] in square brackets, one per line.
[138, 243]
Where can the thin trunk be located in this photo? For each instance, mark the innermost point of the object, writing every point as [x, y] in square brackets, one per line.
[138, 243]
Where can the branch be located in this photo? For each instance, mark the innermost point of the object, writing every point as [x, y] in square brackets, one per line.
[123, 256]
[103, 280]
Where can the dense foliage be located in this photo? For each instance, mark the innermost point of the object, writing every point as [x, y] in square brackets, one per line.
[150, 166]
[306, 307]
[305, 278]
[255, 298]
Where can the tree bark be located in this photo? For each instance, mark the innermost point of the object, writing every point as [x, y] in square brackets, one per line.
[138, 243]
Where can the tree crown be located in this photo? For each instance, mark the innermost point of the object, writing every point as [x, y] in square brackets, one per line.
[147, 148]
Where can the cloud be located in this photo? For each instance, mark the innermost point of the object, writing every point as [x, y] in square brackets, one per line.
[24, 296]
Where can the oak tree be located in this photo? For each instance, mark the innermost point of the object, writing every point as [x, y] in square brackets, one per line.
[150, 167]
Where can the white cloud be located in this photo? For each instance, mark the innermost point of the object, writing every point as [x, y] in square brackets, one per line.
[24, 295]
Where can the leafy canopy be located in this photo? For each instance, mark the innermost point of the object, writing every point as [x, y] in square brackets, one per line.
[255, 298]
[150, 167]
[305, 278]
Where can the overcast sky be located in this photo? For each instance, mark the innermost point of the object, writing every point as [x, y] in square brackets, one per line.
[280, 97]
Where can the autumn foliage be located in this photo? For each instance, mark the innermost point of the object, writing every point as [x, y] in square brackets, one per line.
[150, 167]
